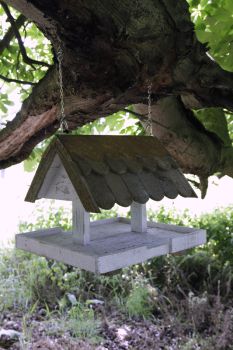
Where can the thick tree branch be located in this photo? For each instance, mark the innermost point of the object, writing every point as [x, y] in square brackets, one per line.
[111, 50]
[23, 51]
[196, 150]
[10, 34]
[18, 81]
[13, 143]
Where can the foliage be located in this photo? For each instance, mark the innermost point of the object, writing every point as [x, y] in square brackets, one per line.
[13, 291]
[32, 161]
[81, 322]
[213, 25]
[185, 291]
[138, 302]
[120, 123]
[48, 216]
[217, 121]
[219, 226]
[13, 64]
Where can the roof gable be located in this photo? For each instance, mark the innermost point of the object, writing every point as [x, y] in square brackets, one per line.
[105, 170]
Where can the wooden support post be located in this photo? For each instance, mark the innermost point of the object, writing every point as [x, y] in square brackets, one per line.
[81, 223]
[138, 217]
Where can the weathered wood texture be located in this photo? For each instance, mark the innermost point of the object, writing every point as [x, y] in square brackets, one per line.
[96, 169]
[81, 222]
[112, 246]
[138, 217]
[56, 183]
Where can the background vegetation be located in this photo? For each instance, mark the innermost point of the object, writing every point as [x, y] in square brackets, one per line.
[190, 293]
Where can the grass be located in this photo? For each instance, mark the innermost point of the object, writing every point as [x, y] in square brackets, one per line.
[191, 294]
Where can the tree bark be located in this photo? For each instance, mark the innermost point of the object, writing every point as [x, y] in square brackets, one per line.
[112, 50]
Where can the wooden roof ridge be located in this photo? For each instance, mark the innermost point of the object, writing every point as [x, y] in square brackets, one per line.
[105, 170]
[45, 163]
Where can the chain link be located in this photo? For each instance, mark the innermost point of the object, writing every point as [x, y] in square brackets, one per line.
[149, 128]
[63, 123]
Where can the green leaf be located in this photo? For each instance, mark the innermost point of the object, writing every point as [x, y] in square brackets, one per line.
[214, 120]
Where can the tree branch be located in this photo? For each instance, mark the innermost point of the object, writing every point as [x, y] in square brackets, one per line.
[23, 51]
[10, 34]
[11, 80]
[104, 73]
[196, 150]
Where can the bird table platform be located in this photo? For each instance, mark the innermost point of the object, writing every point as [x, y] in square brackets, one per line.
[96, 172]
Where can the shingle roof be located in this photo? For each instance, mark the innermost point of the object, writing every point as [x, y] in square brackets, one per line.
[105, 170]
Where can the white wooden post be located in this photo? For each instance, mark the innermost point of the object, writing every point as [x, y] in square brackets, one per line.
[138, 217]
[81, 223]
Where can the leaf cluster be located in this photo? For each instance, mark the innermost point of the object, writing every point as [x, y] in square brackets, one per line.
[20, 64]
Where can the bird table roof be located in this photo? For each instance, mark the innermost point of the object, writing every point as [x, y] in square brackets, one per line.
[105, 170]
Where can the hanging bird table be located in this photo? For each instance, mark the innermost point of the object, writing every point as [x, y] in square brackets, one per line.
[96, 172]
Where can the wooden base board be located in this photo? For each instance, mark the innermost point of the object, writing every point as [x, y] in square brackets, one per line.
[113, 245]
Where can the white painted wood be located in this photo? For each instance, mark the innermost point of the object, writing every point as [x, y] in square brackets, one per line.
[105, 221]
[181, 229]
[113, 245]
[56, 251]
[184, 242]
[138, 217]
[176, 228]
[122, 259]
[45, 232]
[57, 184]
[81, 222]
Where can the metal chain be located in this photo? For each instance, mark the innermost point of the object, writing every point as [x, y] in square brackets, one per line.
[149, 114]
[63, 123]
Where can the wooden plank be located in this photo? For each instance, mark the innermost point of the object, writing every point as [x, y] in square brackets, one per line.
[57, 184]
[100, 191]
[78, 181]
[133, 165]
[119, 189]
[56, 252]
[164, 163]
[138, 217]
[135, 187]
[104, 221]
[117, 165]
[81, 222]
[196, 238]
[83, 165]
[104, 231]
[148, 163]
[41, 233]
[152, 185]
[165, 227]
[169, 188]
[41, 171]
[100, 167]
[126, 258]
[181, 184]
[118, 247]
